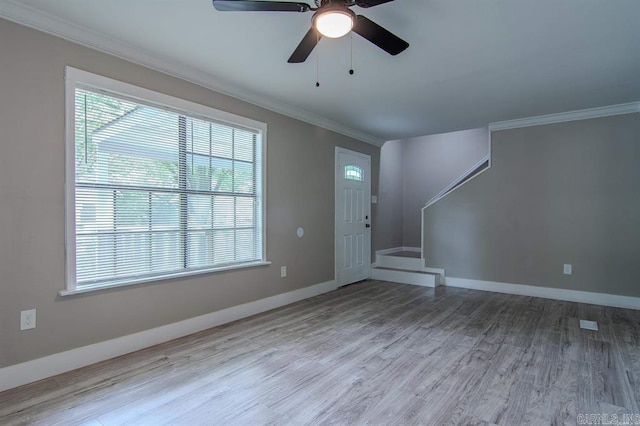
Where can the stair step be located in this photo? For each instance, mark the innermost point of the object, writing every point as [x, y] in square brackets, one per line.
[403, 276]
[399, 262]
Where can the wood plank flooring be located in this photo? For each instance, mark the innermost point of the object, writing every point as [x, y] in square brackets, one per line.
[369, 353]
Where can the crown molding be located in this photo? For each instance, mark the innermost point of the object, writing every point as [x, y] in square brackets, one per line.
[583, 114]
[47, 23]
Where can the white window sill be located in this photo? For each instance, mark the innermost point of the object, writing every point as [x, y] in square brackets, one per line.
[98, 287]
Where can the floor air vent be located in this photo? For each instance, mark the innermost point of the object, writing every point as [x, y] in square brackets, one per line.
[589, 325]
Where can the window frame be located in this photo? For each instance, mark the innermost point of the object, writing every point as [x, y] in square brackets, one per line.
[358, 175]
[73, 79]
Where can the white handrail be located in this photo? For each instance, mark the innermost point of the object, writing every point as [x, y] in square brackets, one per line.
[450, 188]
[456, 182]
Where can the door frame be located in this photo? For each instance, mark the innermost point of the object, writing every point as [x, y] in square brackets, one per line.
[340, 150]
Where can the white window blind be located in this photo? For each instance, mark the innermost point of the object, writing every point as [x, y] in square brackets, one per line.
[160, 192]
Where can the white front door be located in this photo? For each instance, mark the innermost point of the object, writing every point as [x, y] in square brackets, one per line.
[353, 216]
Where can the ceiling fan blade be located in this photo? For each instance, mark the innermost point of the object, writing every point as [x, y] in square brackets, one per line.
[305, 47]
[259, 6]
[370, 3]
[377, 35]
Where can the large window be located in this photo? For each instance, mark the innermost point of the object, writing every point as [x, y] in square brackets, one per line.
[160, 186]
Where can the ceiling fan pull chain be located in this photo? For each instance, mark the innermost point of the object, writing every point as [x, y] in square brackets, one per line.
[317, 62]
[351, 41]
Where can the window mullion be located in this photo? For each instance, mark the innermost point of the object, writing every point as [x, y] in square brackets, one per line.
[256, 205]
[233, 191]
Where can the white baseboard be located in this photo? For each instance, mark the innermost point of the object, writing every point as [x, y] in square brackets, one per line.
[404, 277]
[413, 249]
[433, 270]
[603, 299]
[389, 250]
[397, 249]
[41, 368]
[440, 273]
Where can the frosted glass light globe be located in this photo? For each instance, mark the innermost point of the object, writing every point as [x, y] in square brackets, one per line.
[334, 23]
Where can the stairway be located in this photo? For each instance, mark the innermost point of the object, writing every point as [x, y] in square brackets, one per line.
[405, 265]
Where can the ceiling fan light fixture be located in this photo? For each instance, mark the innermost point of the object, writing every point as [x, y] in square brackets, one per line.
[334, 22]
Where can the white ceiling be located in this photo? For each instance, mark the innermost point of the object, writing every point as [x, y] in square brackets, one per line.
[470, 62]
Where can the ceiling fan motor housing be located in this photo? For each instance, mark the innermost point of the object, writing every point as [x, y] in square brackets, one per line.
[343, 3]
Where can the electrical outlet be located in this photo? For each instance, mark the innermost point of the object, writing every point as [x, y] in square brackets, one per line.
[283, 271]
[28, 319]
[567, 269]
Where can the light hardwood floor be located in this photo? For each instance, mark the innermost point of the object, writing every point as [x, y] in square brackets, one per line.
[369, 353]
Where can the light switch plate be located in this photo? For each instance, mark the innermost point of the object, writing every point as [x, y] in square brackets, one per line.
[567, 269]
[374, 199]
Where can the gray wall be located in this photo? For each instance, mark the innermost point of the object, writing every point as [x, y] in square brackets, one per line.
[555, 194]
[430, 164]
[388, 223]
[300, 189]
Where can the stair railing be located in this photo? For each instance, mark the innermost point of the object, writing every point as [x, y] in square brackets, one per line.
[475, 171]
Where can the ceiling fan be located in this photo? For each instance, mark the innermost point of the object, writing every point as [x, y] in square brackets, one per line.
[332, 18]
